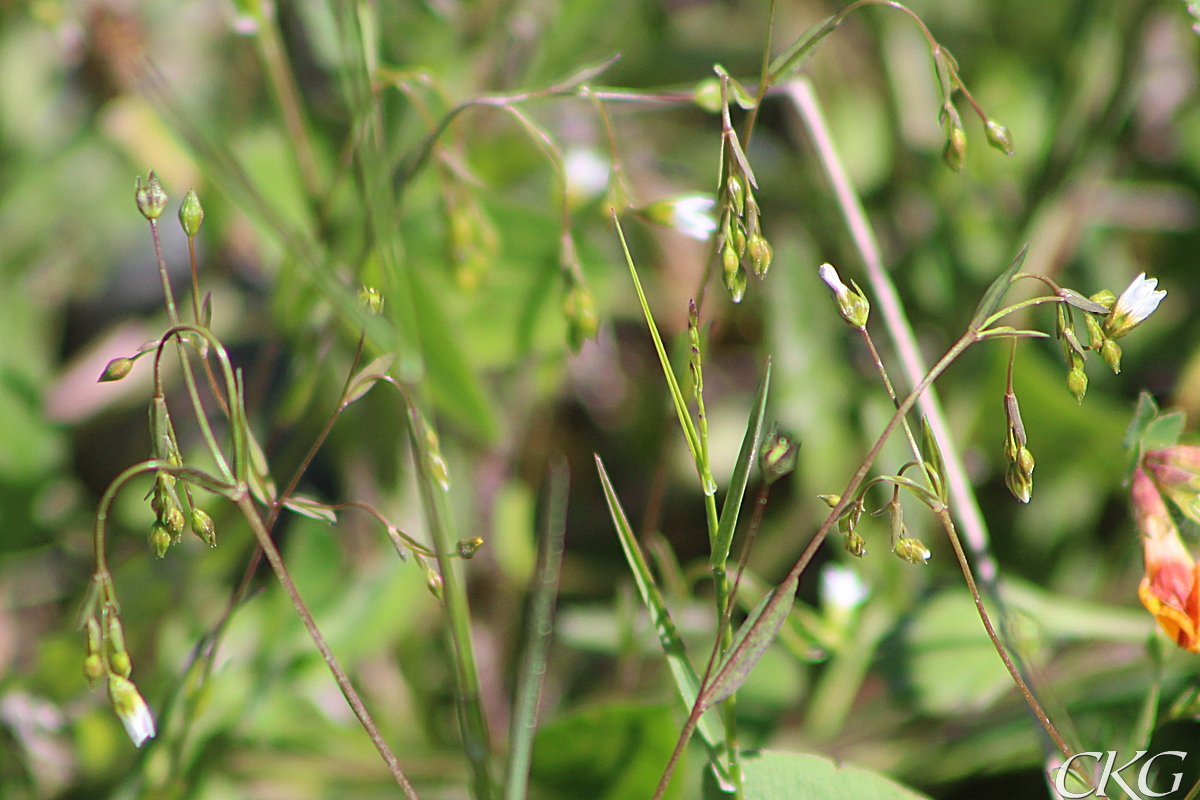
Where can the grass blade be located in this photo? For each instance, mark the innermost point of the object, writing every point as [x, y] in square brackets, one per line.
[685, 419]
[741, 475]
[686, 680]
[537, 643]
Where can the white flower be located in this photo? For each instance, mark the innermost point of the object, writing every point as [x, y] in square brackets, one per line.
[841, 588]
[690, 214]
[852, 304]
[1137, 302]
[833, 280]
[131, 708]
[587, 174]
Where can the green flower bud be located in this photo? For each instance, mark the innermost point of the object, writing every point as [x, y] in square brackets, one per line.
[190, 213]
[707, 95]
[173, 519]
[1024, 461]
[1110, 353]
[855, 544]
[738, 240]
[777, 458]
[119, 664]
[202, 526]
[93, 669]
[830, 500]
[955, 151]
[116, 635]
[912, 550]
[1010, 445]
[999, 137]
[736, 284]
[160, 539]
[729, 260]
[117, 368]
[434, 582]
[467, 547]
[1077, 383]
[580, 313]
[151, 197]
[370, 298]
[737, 194]
[1018, 483]
[761, 253]
[1105, 298]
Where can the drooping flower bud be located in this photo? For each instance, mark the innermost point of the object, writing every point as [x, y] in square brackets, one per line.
[1110, 353]
[911, 550]
[1077, 383]
[580, 314]
[202, 526]
[761, 253]
[160, 539]
[434, 582]
[955, 151]
[131, 709]
[999, 137]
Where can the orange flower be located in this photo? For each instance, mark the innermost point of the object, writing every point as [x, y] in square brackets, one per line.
[1171, 589]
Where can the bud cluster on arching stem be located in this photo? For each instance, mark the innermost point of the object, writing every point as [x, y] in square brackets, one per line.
[905, 546]
[1107, 318]
[740, 238]
[1019, 475]
[107, 659]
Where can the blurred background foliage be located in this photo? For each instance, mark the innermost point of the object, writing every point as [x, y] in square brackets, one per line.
[1101, 98]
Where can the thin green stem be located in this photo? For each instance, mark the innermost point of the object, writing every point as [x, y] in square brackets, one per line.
[193, 393]
[472, 720]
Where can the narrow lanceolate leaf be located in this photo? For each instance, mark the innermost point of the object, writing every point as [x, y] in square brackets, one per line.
[686, 680]
[361, 383]
[741, 475]
[935, 467]
[685, 419]
[537, 641]
[308, 507]
[794, 57]
[995, 293]
[1079, 301]
[750, 642]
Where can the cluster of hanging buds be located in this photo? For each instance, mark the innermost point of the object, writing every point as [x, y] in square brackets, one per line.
[954, 152]
[1108, 318]
[1019, 476]
[107, 660]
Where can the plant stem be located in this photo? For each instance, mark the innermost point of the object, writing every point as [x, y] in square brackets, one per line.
[1034, 705]
[245, 504]
[472, 721]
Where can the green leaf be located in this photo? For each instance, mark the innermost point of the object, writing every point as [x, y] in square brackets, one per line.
[995, 293]
[310, 508]
[686, 680]
[1079, 301]
[935, 466]
[685, 419]
[774, 775]
[609, 752]
[741, 475]
[1164, 431]
[1144, 414]
[751, 641]
[361, 383]
[794, 57]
